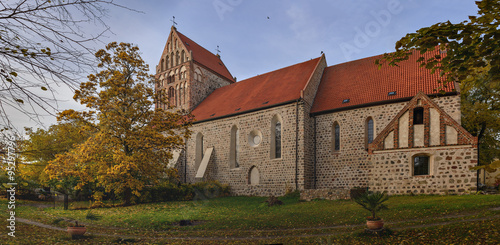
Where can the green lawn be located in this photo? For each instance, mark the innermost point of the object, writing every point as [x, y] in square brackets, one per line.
[249, 216]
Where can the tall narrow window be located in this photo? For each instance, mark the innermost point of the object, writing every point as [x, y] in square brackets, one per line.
[185, 92]
[171, 96]
[234, 147]
[181, 95]
[183, 55]
[336, 136]
[177, 96]
[164, 98]
[162, 65]
[418, 115]
[369, 131]
[421, 165]
[276, 136]
[277, 139]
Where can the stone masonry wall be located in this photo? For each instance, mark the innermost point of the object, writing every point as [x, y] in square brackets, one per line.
[306, 132]
[449, 171]
[276, 175]
[350, 167]
[199, 90]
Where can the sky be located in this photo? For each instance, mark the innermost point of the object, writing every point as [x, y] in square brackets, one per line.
[259, 36]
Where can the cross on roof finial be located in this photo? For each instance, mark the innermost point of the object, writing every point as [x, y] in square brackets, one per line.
[218, 51]
[173, 21]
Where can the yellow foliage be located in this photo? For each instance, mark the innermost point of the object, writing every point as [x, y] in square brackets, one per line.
[133, 142]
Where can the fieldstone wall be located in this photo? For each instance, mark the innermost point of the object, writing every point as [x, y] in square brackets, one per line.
[328, 194]
[449, 171]
[200, 89]
[276, 175]
[338, 171]
[306, 130]
[350, 167]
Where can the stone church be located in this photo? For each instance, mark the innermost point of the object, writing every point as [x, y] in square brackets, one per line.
[314, 127]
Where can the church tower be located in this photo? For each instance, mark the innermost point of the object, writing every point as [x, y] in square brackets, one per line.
[187, 73]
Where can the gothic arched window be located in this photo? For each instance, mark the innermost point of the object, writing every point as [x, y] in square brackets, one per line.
[276, 136]
[336, 137]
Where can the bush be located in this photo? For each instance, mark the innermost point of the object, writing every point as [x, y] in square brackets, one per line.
[273, 201]
[164, 192]
[169, 191]
[210, 189]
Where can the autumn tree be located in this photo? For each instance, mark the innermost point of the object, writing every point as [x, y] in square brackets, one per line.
[470, 55]
[42, 146]
[133, 141]
[45, 44]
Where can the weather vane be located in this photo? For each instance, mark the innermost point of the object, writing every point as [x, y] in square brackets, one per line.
[218, 51]
[173, 21]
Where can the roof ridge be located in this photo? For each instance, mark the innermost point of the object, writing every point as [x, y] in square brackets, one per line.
[187, 42]
[184, 36]
[358, 60]
[280, 69]
[262, 91]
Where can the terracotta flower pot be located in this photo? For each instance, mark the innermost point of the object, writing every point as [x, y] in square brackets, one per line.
[375, 224]
[76, 231]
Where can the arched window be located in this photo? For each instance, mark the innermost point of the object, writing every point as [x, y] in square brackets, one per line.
[181, 95]
[421, 164]
[183, 55]
[162, 65]
[172, 59]
[369, 131]
[171, 95]
[418, 115]
[336, 137]
[177, 58]
[234, 147]
[177, 95]
[185, 92]
[167, 63]
[198, 151]
[276, 130]
[164, 97]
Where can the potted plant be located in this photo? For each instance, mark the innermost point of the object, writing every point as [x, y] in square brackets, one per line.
[77, 230]
[373, 202]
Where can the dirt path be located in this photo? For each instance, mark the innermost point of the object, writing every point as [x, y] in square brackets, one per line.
[329, 233]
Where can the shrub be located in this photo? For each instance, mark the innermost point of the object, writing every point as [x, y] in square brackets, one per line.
[210, 189]
[273, 201]
[169, 191]
[166, 191]
[372, 202]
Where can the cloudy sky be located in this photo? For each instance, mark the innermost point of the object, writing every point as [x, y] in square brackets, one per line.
[258, 36]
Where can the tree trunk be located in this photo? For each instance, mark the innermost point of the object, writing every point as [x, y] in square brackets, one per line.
[66, 201]
[127, 196]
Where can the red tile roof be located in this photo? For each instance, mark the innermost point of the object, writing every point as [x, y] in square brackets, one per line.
[361, 82]
[276, 87]
[205, 57]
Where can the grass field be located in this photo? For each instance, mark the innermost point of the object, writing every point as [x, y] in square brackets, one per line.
[239, 218]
